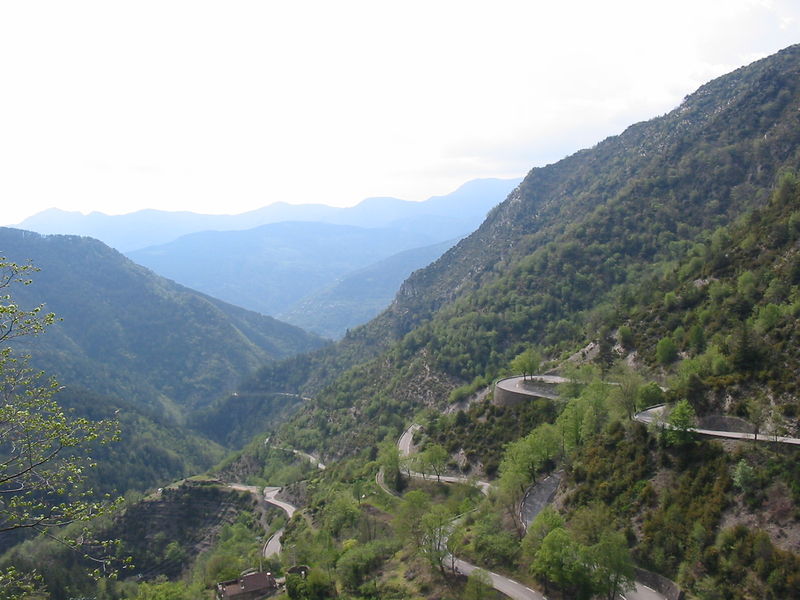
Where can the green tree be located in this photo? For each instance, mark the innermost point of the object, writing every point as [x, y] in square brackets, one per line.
[697, 339]
[625, 336]
[174, 553]
[650, 394]
[43, 449]
[357, 563]
[626, 392]
[527, 362]
[612, 566]
[670, 301]
[295, 587]
[479, 585]
[605, 350]
[435, 458]
[510, 490]
[744, 476]
[14, 584]
[758, 409]
[436, 525]
[560, 560]
[546, 521]
[318, 586]
[389, 459]
[521, 462]
[666, 351]
[746, 353]
[408, 522]
[746, 285]
[603, 548]
[681, 419]
[341, 512]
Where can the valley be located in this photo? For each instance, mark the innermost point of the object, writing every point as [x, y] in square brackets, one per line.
[591, 395]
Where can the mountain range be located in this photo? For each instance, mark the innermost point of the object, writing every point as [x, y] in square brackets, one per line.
[285, 260]
[665, 260]
[447, 216]
[358, 296]
[574, 233]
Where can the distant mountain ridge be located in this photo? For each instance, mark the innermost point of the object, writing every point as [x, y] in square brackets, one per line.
[281, 269]
[270, 268]
[461, 211]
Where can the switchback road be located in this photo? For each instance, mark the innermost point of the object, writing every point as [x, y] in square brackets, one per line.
[657, 413]
[273, 545]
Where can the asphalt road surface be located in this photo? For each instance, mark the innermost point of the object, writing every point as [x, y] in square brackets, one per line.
[269, 496]
[655, 413]
[504, 585]
[273, 545]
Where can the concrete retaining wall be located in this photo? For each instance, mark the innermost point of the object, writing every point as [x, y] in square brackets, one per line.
[513, 390]
[659, 583]
[503, 397]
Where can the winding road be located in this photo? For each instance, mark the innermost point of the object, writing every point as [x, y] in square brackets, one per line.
[504, 585]
[656, 414]
[527, 385]
[653, 414]
[273, 545]
[535, 499]
[539, 496]
[313, 459]
[404, 443]
[404, 446]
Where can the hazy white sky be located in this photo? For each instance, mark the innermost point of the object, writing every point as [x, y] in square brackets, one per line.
[227, 106]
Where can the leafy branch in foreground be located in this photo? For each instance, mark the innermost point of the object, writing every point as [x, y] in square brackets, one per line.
[15, 321]
[43, 449]
[40, 470]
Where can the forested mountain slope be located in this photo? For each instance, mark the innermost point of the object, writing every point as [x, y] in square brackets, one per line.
[128, 333]
[551, 263]
[673, 246]
[714, 333]
[362, 295]
[661, 180]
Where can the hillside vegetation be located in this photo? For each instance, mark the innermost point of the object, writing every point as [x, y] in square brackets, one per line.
[126, 332]
[672, 246]
[560, 261]
[660, 266]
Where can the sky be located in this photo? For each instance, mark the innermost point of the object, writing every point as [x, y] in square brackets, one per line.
[224, 107]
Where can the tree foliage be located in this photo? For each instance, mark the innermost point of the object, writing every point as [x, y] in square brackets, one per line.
[43, 449]
[479, 585]
[681, 418]
[527, 362]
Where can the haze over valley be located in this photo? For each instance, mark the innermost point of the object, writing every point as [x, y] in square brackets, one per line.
[580, 383]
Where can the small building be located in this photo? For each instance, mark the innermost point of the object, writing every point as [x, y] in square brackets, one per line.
[252, 586]
[301, 570]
